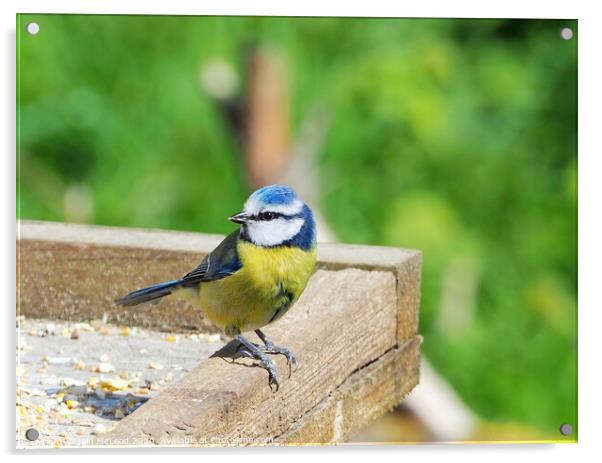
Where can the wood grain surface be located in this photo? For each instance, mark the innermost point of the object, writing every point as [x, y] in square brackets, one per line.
[354, 330]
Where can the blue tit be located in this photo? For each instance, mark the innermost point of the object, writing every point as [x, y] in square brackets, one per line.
[254, 275]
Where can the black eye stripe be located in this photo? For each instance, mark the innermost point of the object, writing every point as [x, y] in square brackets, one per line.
[267, 216]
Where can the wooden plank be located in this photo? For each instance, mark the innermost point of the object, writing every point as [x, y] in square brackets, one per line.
[78, 282]
[74, 272]
[367, 394]
[354, 330]
[343, 323]
[406, 264]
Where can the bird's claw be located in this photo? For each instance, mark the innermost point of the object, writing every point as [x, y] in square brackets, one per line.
[291, 358]
[273, 380]
[270, 367]
[256, 352]
[270, 348]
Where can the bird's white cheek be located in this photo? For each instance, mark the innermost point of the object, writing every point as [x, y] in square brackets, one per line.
[273, 232]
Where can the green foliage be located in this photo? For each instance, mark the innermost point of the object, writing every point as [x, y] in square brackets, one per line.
[457, 137]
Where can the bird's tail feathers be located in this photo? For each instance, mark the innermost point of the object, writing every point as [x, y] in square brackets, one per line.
[149, 293]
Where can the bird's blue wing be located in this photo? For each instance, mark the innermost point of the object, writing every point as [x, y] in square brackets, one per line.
[222, 262]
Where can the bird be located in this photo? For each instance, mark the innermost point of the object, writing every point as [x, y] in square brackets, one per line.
[254, 276]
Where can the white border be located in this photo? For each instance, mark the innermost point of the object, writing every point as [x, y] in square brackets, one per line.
[590, 231]
[476, 9]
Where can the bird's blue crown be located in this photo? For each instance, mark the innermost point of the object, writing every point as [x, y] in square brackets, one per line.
[275, 195]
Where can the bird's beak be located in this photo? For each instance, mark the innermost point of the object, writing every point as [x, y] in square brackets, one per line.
[241, 217]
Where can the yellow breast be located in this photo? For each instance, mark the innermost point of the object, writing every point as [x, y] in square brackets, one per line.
[266, 286]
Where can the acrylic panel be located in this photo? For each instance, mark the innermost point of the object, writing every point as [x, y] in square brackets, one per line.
[443, 150]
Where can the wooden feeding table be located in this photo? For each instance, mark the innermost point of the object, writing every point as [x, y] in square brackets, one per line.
[354, 331]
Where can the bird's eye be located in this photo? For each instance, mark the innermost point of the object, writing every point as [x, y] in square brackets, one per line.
[267, 215]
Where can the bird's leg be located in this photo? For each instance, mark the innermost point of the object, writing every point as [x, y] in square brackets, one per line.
[271, 348]
[252, 350]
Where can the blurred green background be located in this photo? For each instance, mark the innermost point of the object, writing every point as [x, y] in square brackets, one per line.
[456, 137]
